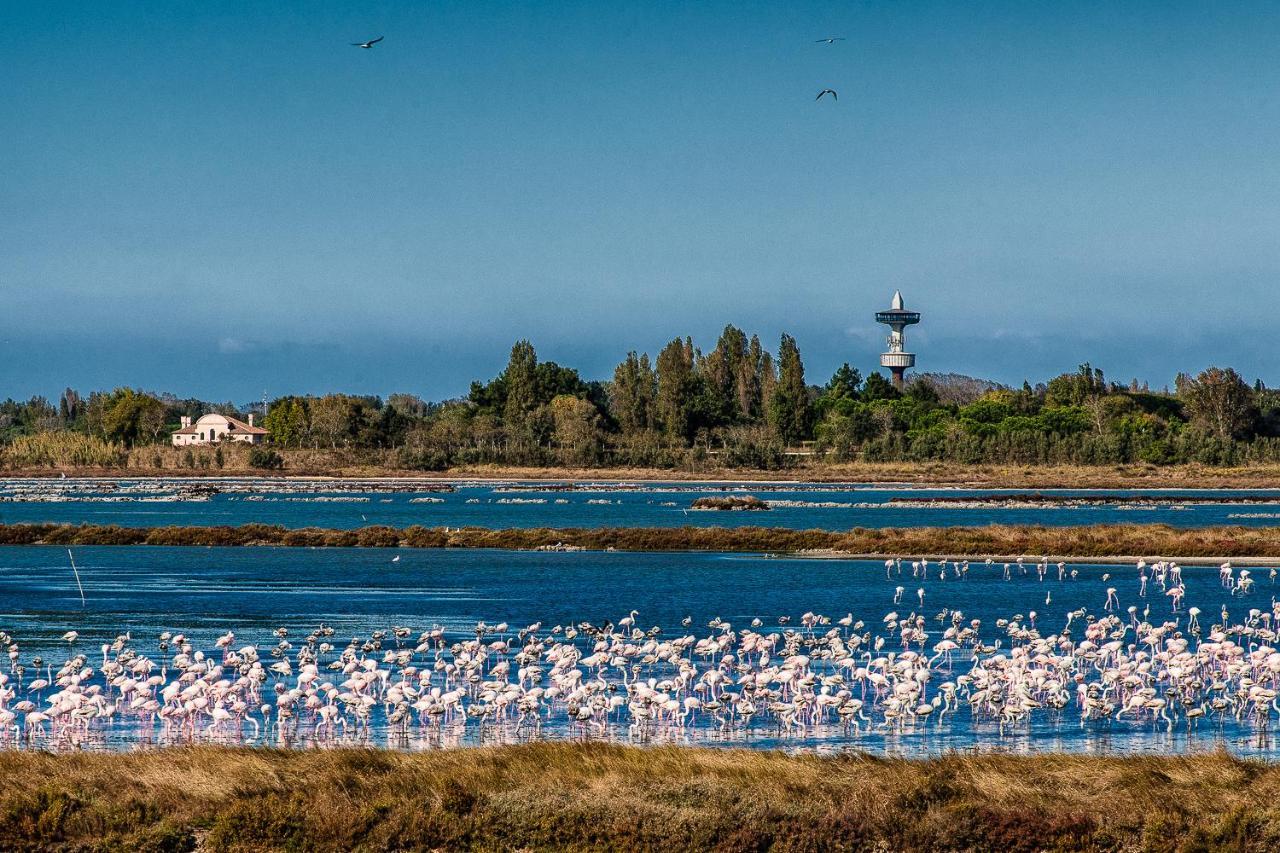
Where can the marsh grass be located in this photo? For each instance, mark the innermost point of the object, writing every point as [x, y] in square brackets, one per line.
[1103, 540]
[595, 796]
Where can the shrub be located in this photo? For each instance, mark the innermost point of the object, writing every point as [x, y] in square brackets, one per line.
[266, 458]
[423, 460]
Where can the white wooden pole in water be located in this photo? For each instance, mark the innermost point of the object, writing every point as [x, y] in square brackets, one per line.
[77, 572]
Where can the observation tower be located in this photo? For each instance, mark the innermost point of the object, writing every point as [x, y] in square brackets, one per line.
[897, 318]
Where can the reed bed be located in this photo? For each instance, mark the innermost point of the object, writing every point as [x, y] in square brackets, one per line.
[1109, 540]
[562, 796]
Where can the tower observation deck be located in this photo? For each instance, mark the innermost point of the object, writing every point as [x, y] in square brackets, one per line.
[897, 318]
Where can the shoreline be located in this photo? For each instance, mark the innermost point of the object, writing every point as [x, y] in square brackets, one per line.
[937, 475]
[602, 796]
[1119, 544]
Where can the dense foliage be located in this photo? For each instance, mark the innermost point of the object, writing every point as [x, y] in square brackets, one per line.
[735, 404]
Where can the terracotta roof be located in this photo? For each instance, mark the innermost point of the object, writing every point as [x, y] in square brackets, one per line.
[237, 426]
[241, 426]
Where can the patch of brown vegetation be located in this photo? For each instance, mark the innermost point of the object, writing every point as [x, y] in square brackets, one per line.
[594, 796]
[1111, 540]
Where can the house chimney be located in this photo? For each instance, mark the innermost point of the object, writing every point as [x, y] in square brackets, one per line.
[251, 419]
[186, 421]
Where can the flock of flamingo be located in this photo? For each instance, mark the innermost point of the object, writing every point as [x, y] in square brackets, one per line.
[786, 678]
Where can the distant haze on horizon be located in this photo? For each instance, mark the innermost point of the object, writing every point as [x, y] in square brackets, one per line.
[222, 200]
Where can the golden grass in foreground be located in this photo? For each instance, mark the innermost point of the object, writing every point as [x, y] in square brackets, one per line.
[592, 797]
[1102, 540]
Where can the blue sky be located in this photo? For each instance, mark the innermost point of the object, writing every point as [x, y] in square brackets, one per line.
[222, 199]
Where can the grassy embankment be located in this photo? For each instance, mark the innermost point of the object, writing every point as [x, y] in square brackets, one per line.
[1119, 540]
[595, 797]
[160, 461]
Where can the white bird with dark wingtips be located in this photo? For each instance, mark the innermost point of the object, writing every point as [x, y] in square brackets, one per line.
[831, 92]
[366, 45]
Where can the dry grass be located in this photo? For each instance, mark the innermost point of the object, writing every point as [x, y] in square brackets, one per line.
[1109, 540]
[345, 463]
[594, 797]
[1136, 476]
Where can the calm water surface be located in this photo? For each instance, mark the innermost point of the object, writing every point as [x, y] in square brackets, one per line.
[825, 506]
[204, 592]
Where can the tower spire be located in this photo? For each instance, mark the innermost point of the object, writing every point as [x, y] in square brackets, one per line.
[897, 318]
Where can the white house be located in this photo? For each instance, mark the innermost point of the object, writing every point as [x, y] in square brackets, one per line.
[212, 428]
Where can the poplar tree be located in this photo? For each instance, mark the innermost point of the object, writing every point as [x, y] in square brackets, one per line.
[519, 381]
[633, 395]
[791, 416]
[675, 387]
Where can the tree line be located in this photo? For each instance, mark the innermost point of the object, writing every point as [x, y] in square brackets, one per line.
[736, 403]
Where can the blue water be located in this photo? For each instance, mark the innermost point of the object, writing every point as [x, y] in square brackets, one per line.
[253, 591]
[657, 505]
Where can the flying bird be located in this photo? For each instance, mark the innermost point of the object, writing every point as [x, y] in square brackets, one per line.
[367, 44]
[831, 40]
[831, 92]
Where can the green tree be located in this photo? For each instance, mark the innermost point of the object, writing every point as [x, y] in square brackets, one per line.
[878, 388]
[520, 382]
[1073, 389]
[577, 430]
[751, 381]
[332, 419]
[844, 383]
[286, 420]
[676, 387]
[633, 394]
[1219, 402]
[846, 428]
[722, 372]
[410, 405]
[131, 416]
[790, 413]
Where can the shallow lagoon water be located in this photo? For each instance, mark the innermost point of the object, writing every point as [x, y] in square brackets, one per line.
[253, 591]
[648, 505]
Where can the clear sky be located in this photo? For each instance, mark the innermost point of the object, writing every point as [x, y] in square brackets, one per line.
[221, 199]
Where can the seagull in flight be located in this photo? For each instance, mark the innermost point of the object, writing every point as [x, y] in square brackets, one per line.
[366, 45]
[831, 92]
[831, 40]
